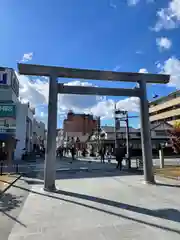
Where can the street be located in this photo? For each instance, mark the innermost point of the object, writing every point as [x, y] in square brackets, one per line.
[86, 162]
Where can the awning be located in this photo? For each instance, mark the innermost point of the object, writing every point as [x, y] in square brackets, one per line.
[5, 136]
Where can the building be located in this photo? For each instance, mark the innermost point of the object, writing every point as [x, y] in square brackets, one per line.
[159, 135]
[9, 86]
[24, 128]
[29, 131]
[9, 95]
[79, 126]
[38, 129]
[82, 123]
[165, 108]
[17, 121]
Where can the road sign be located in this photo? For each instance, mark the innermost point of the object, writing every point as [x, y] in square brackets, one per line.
[7, 110]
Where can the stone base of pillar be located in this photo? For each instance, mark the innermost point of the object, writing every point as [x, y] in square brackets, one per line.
[153, 182]
[50, 188]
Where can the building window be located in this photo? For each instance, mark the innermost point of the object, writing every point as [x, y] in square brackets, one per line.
[15, 85]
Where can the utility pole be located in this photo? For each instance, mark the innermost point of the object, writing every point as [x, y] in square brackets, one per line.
[98, 132]
[115, 126]
[127, 139]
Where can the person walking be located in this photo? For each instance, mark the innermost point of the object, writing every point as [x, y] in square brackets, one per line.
[120, 153]
[73, 152]
[102, 154]
[109, 154]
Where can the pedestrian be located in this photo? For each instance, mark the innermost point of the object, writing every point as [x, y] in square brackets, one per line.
[120, 153]
[109, 153]
[102, 154]
[73, 152]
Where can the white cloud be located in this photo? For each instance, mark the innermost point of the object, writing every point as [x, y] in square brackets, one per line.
[163, 43]
[117, 68]
[171, 67]
[27, 57]
[112, 4]
[105, 109]
[143, 70]
[78, 103]
[132, 2]
[36, 92]
[139, 52]
[168, 18]
[129, 104]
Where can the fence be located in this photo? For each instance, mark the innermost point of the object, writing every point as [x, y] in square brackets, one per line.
[14, 168]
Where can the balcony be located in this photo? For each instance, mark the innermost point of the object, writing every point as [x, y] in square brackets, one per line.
[167, 104]
[165, 115]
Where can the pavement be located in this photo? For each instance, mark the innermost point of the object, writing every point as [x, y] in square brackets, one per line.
[11, 204]
[6, 180]
[66, 162]
[98, 206]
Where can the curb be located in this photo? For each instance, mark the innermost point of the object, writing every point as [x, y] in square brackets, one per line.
[168, 177]
[10, 185]
[84, 170]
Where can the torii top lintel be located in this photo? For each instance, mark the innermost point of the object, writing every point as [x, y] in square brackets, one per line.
[63, 72]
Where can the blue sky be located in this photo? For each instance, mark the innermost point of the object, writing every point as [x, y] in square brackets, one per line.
[123, 35]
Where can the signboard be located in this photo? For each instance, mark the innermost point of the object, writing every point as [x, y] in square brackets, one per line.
[3, 78]
[7, 130]
[7, 110]
[117, 124]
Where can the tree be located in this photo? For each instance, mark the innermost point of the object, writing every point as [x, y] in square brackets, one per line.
[175, 137]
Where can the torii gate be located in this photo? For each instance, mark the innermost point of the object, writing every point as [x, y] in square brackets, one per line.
[54, 88]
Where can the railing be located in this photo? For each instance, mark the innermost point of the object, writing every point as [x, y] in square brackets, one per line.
[16, 168]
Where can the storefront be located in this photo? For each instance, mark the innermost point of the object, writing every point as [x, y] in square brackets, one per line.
[7, 146]
[7, 131]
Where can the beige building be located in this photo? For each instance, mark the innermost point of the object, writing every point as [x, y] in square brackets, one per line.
[165, 108]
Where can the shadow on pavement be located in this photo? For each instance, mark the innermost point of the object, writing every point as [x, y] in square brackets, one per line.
[168, 214]
[9, 202]
[79, 174]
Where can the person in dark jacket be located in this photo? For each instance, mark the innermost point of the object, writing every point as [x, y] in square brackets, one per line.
[102, 154]
[120, 153]
[73, 152]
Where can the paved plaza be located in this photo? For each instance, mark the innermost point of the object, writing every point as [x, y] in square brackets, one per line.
[100, 207]
[90, 163]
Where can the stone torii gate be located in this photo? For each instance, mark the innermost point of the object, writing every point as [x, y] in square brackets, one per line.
[54, 88]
